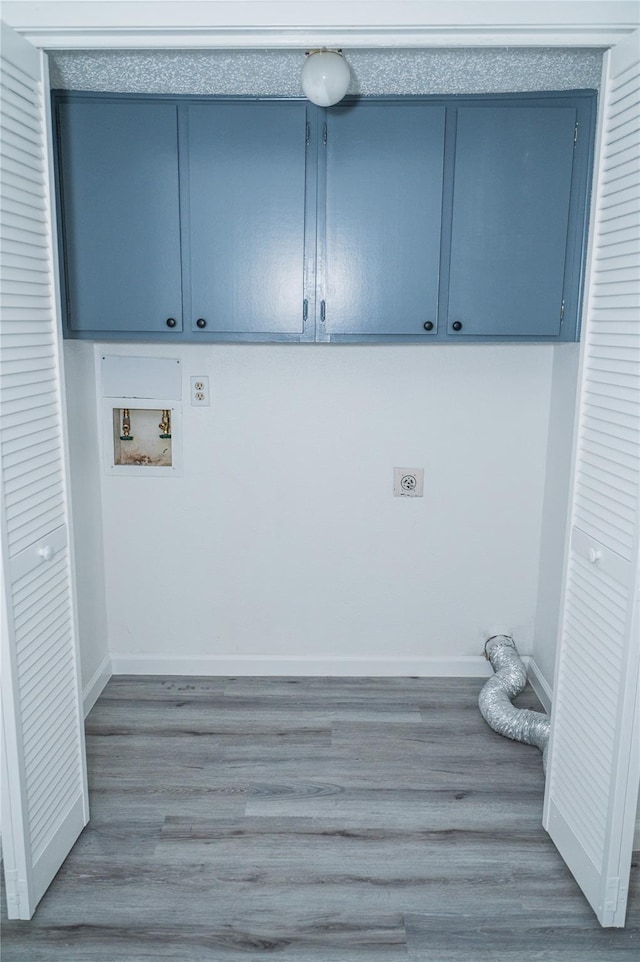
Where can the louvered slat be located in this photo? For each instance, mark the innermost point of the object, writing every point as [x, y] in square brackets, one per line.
[36, 388]
[64, 741]
[43, 791]
[17, 494]
[41, 362]
[14, 233]
[23, 438]
[44, 716]
[13, 171]
[11, 261]
[36, 385]
[39, 399]
[60, 763]
[28, 212]
[21, 451]
[51, 514]
[29, 592]
[41, 633]
[45, 640]
[16, 350]
[44, 702]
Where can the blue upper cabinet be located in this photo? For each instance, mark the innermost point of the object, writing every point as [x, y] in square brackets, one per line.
[416, 219]
[511, 213]
[245, 227]
[118, 181]
[381, 219]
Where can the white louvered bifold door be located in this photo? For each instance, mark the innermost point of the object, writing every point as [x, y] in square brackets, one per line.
[594, 755]
[44, 791]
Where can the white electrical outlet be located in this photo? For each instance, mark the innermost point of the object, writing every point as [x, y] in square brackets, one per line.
[408, 482]
[200, 391]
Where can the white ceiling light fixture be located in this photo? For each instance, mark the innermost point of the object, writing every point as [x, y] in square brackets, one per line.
[325, 77]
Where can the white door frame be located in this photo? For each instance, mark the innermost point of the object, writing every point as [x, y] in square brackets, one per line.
[86, 24]
[91, 24]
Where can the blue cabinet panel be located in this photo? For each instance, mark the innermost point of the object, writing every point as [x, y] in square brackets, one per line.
[382, 219]
[512, 186]
[246, 217]
[407, 219]
[118, 175]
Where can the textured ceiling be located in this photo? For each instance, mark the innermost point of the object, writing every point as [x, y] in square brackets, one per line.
[277, 72]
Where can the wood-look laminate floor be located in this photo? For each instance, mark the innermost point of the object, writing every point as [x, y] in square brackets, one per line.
[327, 820]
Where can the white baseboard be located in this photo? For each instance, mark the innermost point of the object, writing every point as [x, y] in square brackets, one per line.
[539, 683]
[93, 689]
[469, 666]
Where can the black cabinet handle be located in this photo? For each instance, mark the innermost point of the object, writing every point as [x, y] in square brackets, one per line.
[457, 325]
[171, 322]
[428, 325]
[201, 323]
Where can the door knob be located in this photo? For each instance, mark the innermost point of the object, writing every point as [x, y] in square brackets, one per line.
[201, 323]
[457, 325]
[46, 552]
[171, 322]
[428, 325]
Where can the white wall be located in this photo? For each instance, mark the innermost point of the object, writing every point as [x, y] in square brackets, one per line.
[562, 408]
[281, 549]
[295, 547]
[85, 476]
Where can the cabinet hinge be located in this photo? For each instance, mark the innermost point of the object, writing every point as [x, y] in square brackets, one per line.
[562, 310]
[324, 134]
[16, 891]
[323, 311]
[612, 894]
[575, 134]
[305, 309]
[307, 136]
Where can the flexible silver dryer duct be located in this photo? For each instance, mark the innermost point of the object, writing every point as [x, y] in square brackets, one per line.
[520, 724]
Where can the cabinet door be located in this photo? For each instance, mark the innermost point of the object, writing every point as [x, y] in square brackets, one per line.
[246, 233]
[381, 251]
[511, 202]
[121, 215]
